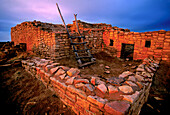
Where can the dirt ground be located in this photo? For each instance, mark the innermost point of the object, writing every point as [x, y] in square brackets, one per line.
[22, 94]
[116, 65]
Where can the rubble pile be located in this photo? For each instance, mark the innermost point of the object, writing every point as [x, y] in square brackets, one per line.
[88, 94]
[8, 50]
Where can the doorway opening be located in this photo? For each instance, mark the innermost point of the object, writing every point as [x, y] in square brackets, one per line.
[127, 51]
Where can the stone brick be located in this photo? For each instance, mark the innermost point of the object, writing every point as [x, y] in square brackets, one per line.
[112, 89]
[59, 72]
[70, 81]
[62, 76]
[139, 77]
[97, 100]
[64, 68]
[117, 107]
[79, 85]
[57, 82]
[131, 84]
[132, 78]
[140, 84]
[79, 108]
[126, 89]
[72, 96]
[83, 103]
[81, 81]
[131, 98]
[140, 69]
[125, 74]
[79, 92]
[93, 80]
[53, 70]
[102, 88]
[89, 87]
[48, 67]
[115, 80]
[55, 64]
[95, 110]
[73, 71]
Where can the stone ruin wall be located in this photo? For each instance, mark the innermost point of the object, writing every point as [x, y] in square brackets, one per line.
[91, 95]
[51, 40]
[159, 48]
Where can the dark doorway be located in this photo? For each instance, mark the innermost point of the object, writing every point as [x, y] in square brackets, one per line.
[127, 51]
[111, 42]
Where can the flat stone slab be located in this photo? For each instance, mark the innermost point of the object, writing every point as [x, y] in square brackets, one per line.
[97, 100]
[70, 81]
[115, 80]
[126, 89]
[81, 81]
[117, 107]
[102, 88]
[112, 89]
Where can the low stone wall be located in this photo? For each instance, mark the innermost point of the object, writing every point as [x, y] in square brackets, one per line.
[87, 94]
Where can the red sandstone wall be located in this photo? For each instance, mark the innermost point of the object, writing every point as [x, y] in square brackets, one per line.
[52, 41]
[24, 33]
[160, 43]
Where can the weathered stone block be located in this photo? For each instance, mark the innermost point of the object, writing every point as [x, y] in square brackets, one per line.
[97, 100]
[112, 89]
[102, 88]
[117, 107]
[81, 81]
[53, 70]
[73, 71]
[126, 89]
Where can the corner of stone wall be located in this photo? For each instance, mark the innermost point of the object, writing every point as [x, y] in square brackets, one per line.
[124, 94]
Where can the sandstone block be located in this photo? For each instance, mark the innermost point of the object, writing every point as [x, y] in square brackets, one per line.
[62, 76]
[72, 89]
[79, 85]
[125, 74]
[89, 87]
[132, 78]
[81, 81]
[117, 107]
[97, 100]
[102, 88]
[70, 81]
[112, 89]
[126, 89]
[73, 71]
[48, 67]
[53, 70]
[59, 72]
[93, 80]
[139, 77]
[131, 98]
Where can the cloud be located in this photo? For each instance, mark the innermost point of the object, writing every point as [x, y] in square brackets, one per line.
[137, 15]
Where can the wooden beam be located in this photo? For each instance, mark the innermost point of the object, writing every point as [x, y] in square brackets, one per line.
[62, 19]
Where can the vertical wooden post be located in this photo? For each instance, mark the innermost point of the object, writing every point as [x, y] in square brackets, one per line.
[63, 19]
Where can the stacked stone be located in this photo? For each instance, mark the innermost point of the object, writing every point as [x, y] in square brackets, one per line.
[159, 47]
[87, 94]
[24, 33]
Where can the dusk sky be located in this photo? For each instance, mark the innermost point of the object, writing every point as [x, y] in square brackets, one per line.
[136, 15]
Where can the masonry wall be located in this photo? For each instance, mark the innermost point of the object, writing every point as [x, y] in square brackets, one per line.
[120, 95]
[51, 40]
[159, 48]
